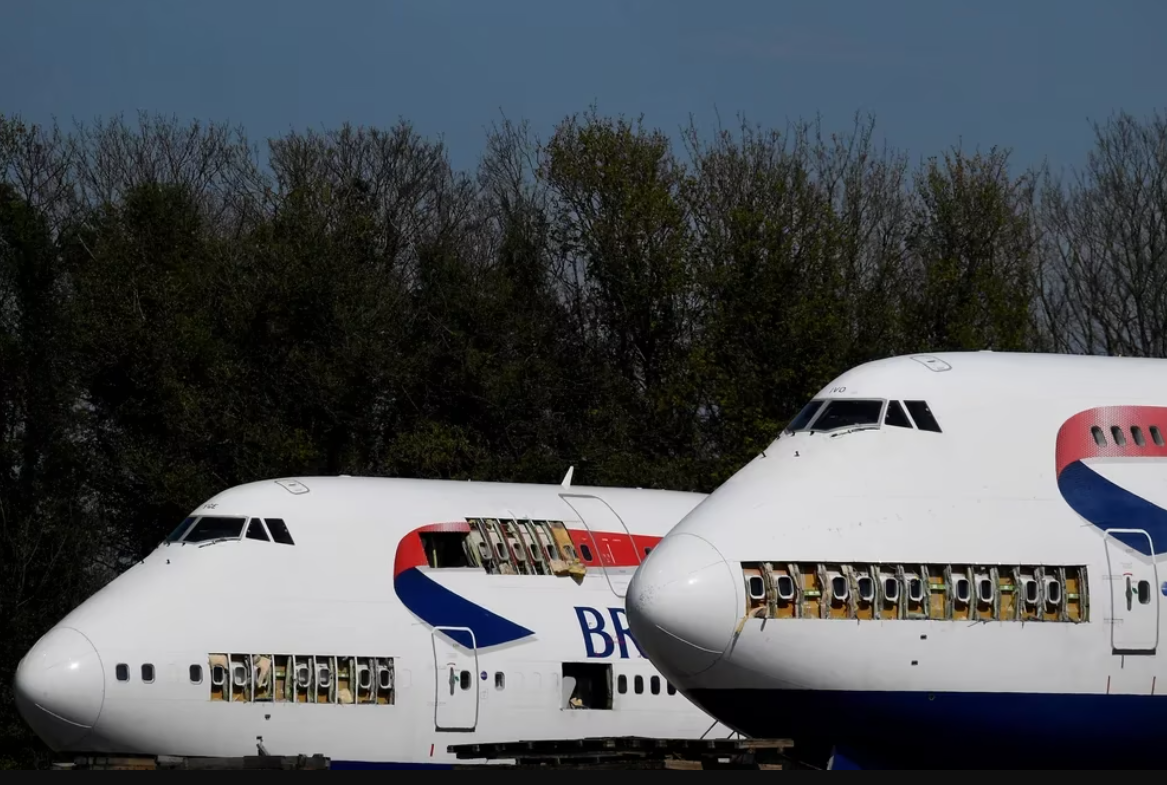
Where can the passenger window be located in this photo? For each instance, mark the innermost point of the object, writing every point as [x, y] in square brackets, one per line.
[638, 685]
[622, 684]
[896, 416]
[279, 531]
[961, 590]
[654, 685]
[213, 527]
[839, 588]
[1118, 435]
[1144, 593]
[196, 674]
[500, 680]
[756, 587]
[1099, 436]
[785, 587]
[464, 680]
[179, 530]
[866, 587]
[122, 671]
[803, 418]
[148, 673]
[1156, 436]
[670, 688]
[1053, 592]
[922, 415]
[915, 589]
[891, 590]
[848, 414]
[255, 530]
[1137, 434]
[586, 551]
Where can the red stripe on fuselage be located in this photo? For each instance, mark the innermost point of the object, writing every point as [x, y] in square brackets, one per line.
[606, 549]
[1076, 439]
[614, 549]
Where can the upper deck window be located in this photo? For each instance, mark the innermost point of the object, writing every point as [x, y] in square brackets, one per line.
[848, 414]
[214, 527]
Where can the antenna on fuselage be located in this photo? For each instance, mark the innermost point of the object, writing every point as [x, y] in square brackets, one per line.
[567, 477]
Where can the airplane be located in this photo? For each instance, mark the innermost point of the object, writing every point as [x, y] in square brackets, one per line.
[371, 620]
[943, 561]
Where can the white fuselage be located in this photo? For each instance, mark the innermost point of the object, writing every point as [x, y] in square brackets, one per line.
[197, 650]
[831, 590]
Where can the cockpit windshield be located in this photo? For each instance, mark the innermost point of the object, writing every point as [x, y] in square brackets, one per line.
[848, 414]
[179, 530]
[215, 528]
[803, 418]
[824, 415]
[220, 527]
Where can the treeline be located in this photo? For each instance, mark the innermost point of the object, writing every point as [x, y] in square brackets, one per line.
[180, 313]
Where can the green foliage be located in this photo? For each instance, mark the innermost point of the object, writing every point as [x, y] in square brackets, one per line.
[175, 319]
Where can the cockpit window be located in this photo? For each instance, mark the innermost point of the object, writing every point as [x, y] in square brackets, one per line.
[803, 418]
[922, 415]
[895, 415]
[179, 530]
[279, 531]
[848, 414]
[255, 530]
[214, 527]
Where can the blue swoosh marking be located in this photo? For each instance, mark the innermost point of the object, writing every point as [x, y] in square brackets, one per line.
[437, 606]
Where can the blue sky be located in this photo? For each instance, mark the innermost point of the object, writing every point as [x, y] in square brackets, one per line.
[1026, 74]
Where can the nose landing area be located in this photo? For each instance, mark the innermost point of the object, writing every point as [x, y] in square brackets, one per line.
[60, 687]
[683, 604]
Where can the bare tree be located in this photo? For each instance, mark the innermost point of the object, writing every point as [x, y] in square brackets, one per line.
[1104, 287]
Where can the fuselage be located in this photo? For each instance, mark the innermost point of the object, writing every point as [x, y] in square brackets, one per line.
[945, 560]
[375, 621]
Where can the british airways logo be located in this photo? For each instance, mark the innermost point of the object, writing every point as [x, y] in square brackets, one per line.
[601, 640]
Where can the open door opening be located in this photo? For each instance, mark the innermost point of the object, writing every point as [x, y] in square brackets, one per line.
[1134, 594]
[613, 543]
[587, 685]
[455, 681]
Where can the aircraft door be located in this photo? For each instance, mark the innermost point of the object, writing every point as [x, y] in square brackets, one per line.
[1134, 593]
[456, 679]
[613, 544]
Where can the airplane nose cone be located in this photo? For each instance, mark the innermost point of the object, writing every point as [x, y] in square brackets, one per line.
[683, 604]
[60, 687]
